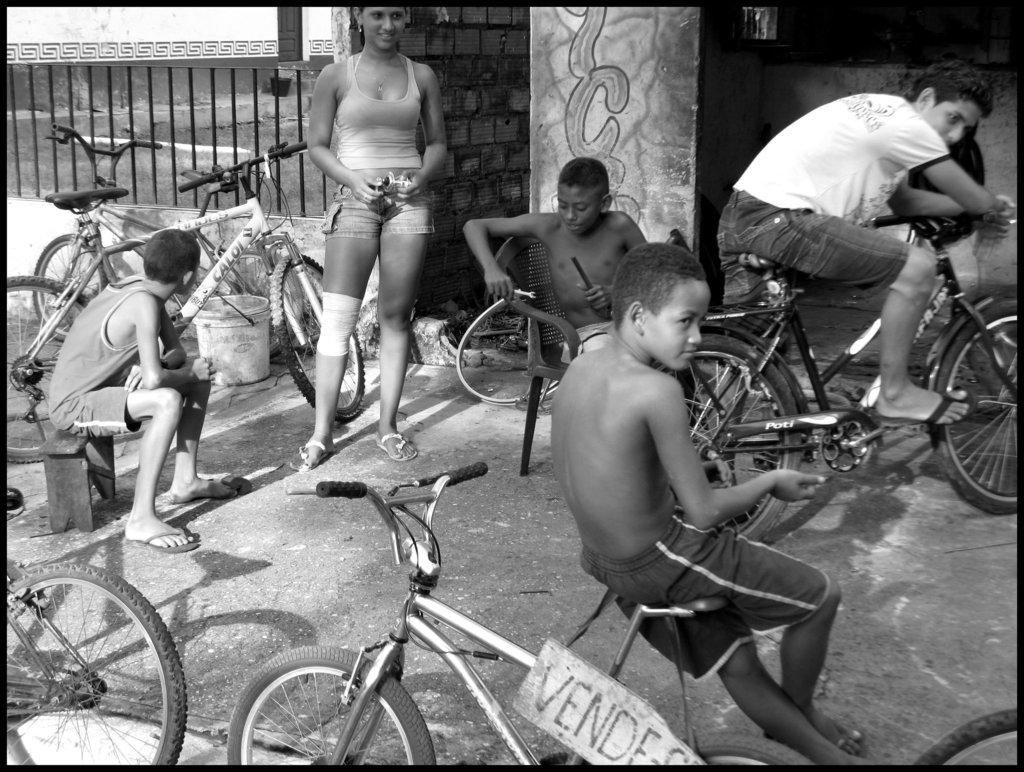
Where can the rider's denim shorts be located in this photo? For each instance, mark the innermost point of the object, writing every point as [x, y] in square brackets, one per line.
[820, 245]
[354, 219]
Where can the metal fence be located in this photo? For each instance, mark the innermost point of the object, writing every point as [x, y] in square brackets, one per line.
[202, 115]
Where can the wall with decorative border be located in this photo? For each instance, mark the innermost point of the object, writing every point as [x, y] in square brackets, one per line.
[137, 35]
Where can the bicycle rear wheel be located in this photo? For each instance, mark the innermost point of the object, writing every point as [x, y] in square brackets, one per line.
[721, 367]
[979, 453]
[60, 260]
[984, 741]
[30, 301]
[492, 356]
[296, 326]
[93, 676]
[294, 710]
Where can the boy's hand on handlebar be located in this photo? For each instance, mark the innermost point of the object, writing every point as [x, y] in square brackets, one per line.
[996, 223]
[791, 485]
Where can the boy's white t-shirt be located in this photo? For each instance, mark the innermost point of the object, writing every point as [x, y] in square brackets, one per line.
[845, 158]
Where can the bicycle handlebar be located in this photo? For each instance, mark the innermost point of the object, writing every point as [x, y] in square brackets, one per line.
[70, 133]
[274, 153]
[328, 489]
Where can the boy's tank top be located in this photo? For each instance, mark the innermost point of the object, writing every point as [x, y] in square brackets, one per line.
[377, 133]
[87, 360]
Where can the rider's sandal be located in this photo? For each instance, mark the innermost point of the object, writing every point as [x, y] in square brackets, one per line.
[403, 449]
[306, 461]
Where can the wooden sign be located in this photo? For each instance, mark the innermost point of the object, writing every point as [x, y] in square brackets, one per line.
[595, 715]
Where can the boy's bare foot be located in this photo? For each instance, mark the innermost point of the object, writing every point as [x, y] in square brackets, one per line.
[917, 405]
[225, 488]
[846, 739]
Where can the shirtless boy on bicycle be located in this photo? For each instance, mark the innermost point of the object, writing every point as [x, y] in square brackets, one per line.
[582, 228]
[121, 363]
[646, 512]
[805, 198]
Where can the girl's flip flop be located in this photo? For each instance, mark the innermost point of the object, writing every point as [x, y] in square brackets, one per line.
[399, 453]
[303, 463]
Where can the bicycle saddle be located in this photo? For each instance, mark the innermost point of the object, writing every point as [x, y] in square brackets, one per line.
[83, 200]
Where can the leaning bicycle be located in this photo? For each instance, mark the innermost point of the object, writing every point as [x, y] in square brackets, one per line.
[327, 705]
[72, 254]
[40, 311]
[93, 675]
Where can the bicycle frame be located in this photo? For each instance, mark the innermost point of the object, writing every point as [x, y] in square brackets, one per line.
[787, 318]
[420, 609]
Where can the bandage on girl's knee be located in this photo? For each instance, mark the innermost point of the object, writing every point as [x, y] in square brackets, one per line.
[341, 312]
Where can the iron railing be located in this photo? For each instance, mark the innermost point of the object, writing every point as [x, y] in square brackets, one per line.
[202, 115]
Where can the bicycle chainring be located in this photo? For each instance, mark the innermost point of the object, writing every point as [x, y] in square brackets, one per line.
[844, 447]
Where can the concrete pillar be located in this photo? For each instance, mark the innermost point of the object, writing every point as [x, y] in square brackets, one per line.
[619, 84]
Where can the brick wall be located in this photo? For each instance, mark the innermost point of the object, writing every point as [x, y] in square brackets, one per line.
[481, 56]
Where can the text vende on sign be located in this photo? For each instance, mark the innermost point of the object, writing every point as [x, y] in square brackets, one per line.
[595, 715]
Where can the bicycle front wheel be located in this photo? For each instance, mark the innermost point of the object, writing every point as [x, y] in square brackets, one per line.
[491, 359]
[721, 368]
[295, 317]
[31, 300]
[979, 453]
[294, 710]
[987, 740]
[93, 676]
[736, 749]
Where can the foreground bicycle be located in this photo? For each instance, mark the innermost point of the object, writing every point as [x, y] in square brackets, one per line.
[93, 675]
[987, 740]
[747, 407]
[327, 705]
[40, 311]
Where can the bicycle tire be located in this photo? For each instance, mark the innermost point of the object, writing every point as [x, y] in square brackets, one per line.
[723, 362]
[738, 749]
[279, 716]
[287, 290]
[986, 740]
[122, 681]
[491, 358]
[979, 454]
[28, 300]
[60, 261]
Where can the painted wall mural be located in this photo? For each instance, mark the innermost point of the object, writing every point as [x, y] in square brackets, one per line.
[618, 84]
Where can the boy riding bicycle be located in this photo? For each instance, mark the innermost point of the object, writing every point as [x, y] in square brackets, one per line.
[646, 513]
[803, 200]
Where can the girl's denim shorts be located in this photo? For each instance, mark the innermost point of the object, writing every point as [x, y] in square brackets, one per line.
[353, 219]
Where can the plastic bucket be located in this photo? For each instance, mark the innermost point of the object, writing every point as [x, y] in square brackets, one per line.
[233, 332]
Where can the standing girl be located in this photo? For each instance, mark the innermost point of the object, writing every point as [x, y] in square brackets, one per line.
[370, 105]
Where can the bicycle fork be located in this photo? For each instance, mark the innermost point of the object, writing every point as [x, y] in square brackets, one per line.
[292, 304]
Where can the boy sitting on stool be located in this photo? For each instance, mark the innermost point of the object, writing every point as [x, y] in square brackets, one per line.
[646, 513]
[110, 374]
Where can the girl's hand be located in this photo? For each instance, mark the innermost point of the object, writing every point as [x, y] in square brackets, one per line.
[366, 190]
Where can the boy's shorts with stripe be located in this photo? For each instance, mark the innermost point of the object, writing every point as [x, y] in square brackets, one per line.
[100, 413]
[765, 589]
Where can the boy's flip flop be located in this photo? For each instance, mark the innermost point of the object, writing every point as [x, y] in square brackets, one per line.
[188, 546]
[304, 463]
[399, 453]
[937, 413]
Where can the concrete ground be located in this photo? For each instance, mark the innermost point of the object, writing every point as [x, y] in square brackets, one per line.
[925, 640]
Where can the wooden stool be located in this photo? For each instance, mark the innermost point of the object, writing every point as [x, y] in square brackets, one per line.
[72, 464]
